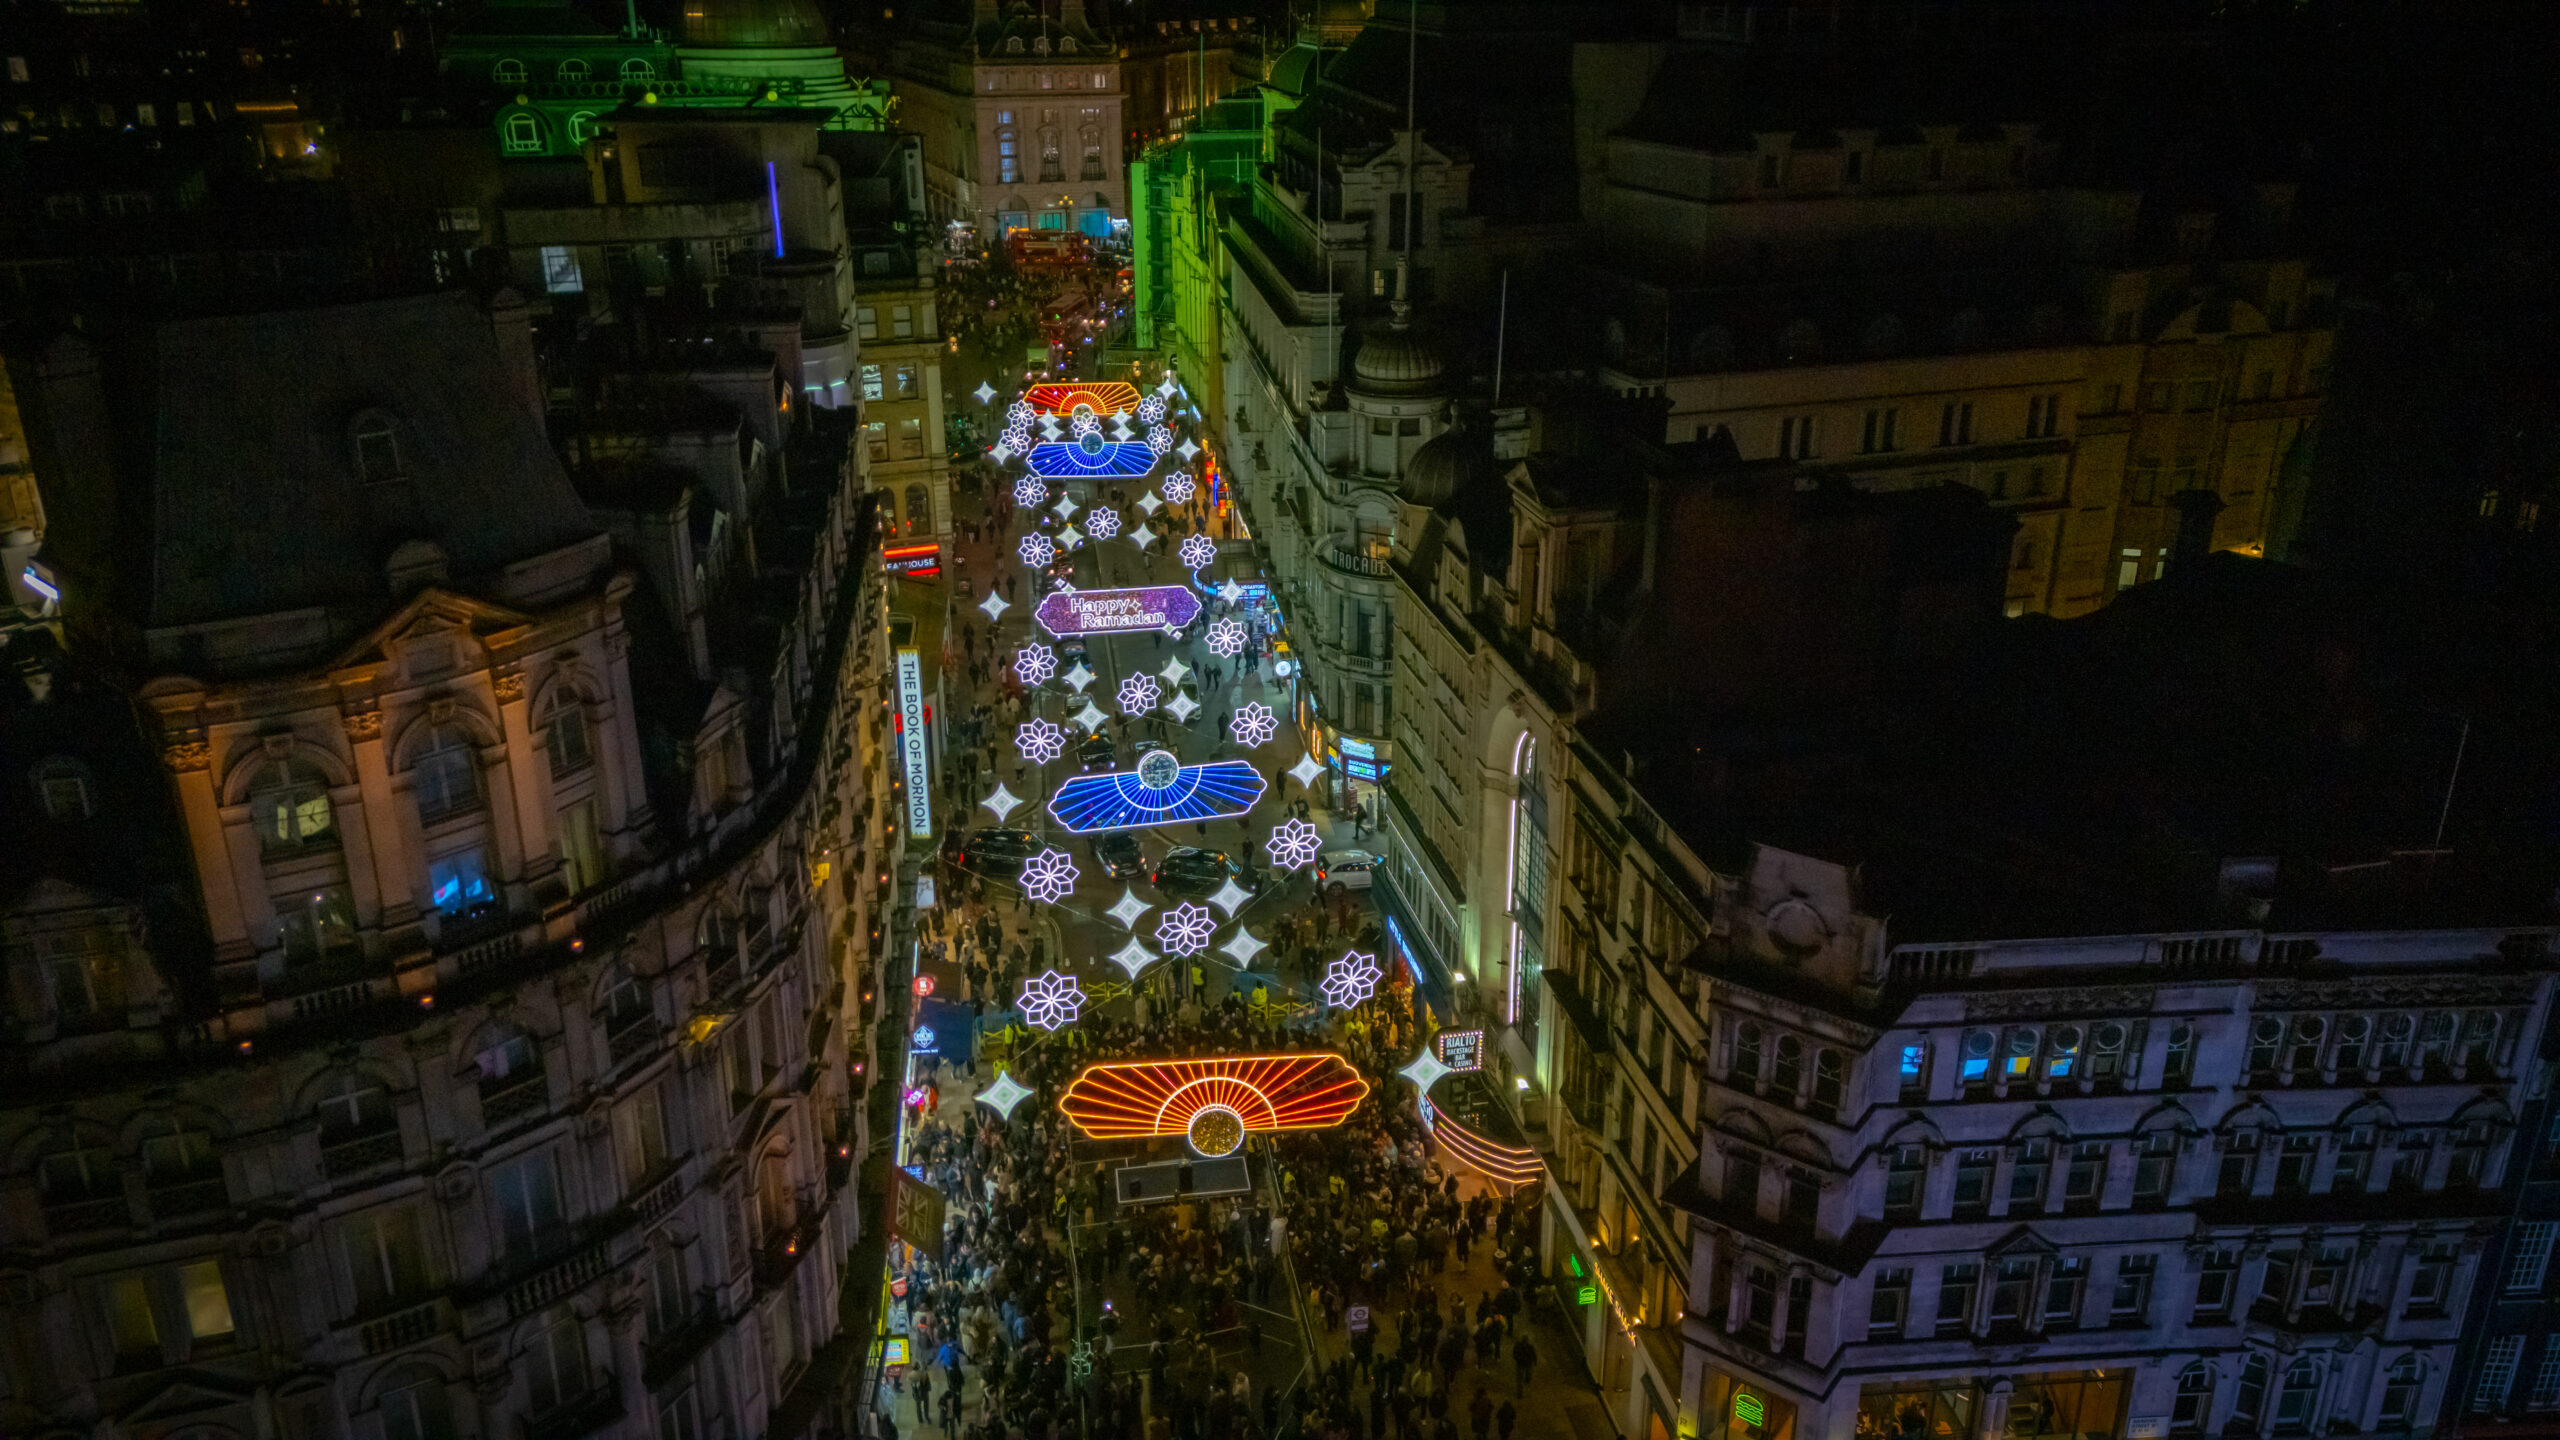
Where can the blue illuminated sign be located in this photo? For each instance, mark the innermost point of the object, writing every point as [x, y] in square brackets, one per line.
[1091, 458]
[1159, 792]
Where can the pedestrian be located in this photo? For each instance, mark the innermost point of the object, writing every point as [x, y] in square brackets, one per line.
[1524, 1358]
[1480, 1413]
[1505, 1418]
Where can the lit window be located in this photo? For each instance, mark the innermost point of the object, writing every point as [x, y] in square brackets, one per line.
[523, 134]
[316, 925]
[208, 1302]
[377, 449]
[459, 884]
[871, 385]
[573, 70]
[564, 733]
[509, 72]
[639, 70]
[289, 806]
[560, 274]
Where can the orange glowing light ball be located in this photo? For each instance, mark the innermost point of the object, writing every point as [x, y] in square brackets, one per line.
[1197, 1099]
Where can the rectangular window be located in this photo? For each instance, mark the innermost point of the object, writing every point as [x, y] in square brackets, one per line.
[2027, 1176]
[2200, 394]
[872, 389]
[560, 274]
[2011, 1293]
[527, 1196]
[2062, 1291]
[875, 436]
[1889, 1302]
[384, 1259]
[910, 438]
[867, 322]
[1904, 1176]
[1877, 436]
[458, 884]
[2294, 1164]
[2159, 395]
[2428, 1288]
[1742, 1180]
[2497, 1372]
[1973, 1181]
[902, 321]
[907, 386]
[1914, 1072]
[2545, 1394]
[2087, 1175]
[208, 1302]
[1795, 438]
[130, 1323]
[2131, 1303]
[1955, 1297]
[1955, 423]
[2219, 1276]
[2532, 1256]
[2154, 1166]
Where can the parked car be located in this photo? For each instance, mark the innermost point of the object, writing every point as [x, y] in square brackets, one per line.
[1189, 873]
[1345, 869]
[1073, 652]
[991, 850]
[1119, 855]
[1097, 752]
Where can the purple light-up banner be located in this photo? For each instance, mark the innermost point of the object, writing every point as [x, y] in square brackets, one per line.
[1111, 612]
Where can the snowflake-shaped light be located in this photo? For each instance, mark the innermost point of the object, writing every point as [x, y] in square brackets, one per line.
[1019, 412]
[1225, 637]
[1151, 410]
[1038, 549]
[1050, 1000]
[1018, 436]
[1159, 439]
[1185, 930]
[1040, 741]
[1177, 488]
[1103, 523]
[1049, 876]
[1035, 663]
[1350, 980]
[1138, 694]
[1084, 424]
[1293, 843]
[1030, 489]
[1253, 724]
[1197, 552]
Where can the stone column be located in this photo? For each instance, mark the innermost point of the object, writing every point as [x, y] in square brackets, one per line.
[528, 801]
[389, 820]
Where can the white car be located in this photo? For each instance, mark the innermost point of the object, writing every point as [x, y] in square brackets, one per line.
[1346, 869]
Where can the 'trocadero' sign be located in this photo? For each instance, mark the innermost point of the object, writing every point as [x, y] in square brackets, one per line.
[1111, 612]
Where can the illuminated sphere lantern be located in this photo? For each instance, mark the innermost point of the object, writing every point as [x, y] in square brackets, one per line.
[1213, 1103]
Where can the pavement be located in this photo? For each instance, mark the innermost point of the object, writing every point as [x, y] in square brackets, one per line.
[1269, 1341]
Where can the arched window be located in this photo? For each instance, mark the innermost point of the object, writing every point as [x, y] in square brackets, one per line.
[446, 774]
[1788, 1072]
[179, 1168]
[2249, 1400]
[573, 70]
[65, 788]
[415, 1406]
[2189, 1413]
[508, 72]
[639, 70]
[557, 1362]
[564, 732]
[718, 937]
[622, 1001]
[289, 807]
[2400, 1388]
[2294, 1403]
[1745, 1070]
[81, 1186]
[1829, 1072]
[583, 127]
[523, 135]
[376, 443]
[510, 1074]
[353, 1106]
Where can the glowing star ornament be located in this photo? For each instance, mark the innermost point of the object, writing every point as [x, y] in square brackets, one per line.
[1066, 507]
[1225, 638]
[1253, 724]
[994, 604]
[1293, 843]
[1120, 428]
[1243, 946]
[1078, 677]
[1049, 876]
[1306, 770]
[1050, 1000]
[1159, 439]
[1170, 387]
[1102, 524]
[1071, 539]
[1151, 410]
[1188, 451]
[984, 393]
[1138, 694]
[1049, 427]
[1129, 910]
[1181, 707]
[1232, 592]
[1174, 671]
[1142, 537]
[1038, 549]
[1030, 490]
[1090, 718]
[1150, 503]
[1185, 930]
[1197, 552]
[1004, 802]
[1425, 1071]
[1007, 1092]
[1230, 897]
[1001, 453]
[1177, 488]
[1040, 741]
[1351, 980]
[1134, 958]
[1035, 663]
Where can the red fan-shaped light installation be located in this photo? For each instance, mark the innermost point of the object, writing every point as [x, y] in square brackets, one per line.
[1103, 397]
[1123, 1099]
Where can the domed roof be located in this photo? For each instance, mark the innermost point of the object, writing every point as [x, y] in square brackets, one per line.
[1394, 361]
[753, 22]
[1446, 464]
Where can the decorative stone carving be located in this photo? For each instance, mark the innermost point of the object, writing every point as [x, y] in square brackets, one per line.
[186, 755]
[363, 725]
[510, 688]
[2409, 993]
[2055, 1004]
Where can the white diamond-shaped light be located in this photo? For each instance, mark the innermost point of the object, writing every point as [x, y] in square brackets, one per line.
[1138, 694]
[1071, 538]
[1030, 490]
[1142, 537]
[1197, 552]
[1129, 909]
[1040, 741]
[1050, 1000]
[1185, 930]
[1133, 957]
[1169, 388]
[1120, 428]
[1007, 1092]
[1049, 427]
[1181, 706]
[1174, 671]
[1306, 770]
[985, 392]
[1004, 802]
[1232, 592]
[1243, 947]
[1150, 503]
[1230, 896]
[1001, 451]
[1049, 876]
[1293, 843]
[1035, 663]
[1090, 718]
[1188, 451]
[1077, 677]
[1350, 980]
[994, 604]
[1253, 724]
[1425, 1071]
[1067, 507]
[1226, 637]
[1038, 549]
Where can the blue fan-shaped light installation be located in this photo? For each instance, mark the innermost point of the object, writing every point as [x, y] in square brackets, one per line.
[1161, 791]
[1091, 458]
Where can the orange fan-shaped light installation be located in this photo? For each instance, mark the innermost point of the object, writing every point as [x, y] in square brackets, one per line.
[1103, 397]
[1123, 1099]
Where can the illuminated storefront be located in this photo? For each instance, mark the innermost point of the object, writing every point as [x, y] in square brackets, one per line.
[2047, 1405]
[1734, 1409]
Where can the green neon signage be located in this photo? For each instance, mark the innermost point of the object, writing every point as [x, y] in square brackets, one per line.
[1587, 1294]
[1747, 1409]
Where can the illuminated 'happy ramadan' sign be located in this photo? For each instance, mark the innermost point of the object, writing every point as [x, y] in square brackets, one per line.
[1109, 612]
